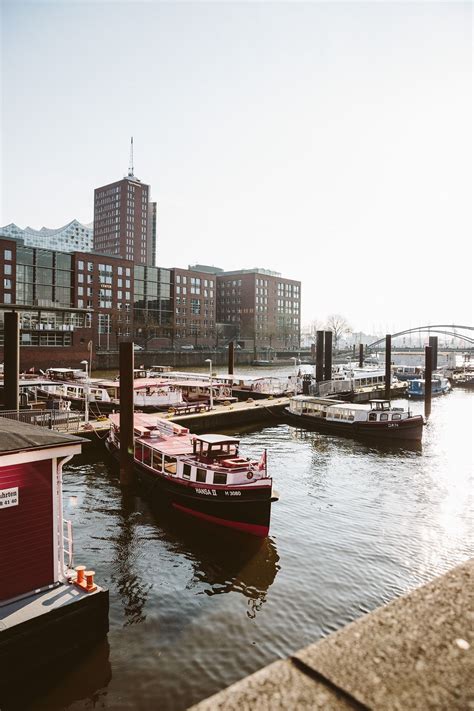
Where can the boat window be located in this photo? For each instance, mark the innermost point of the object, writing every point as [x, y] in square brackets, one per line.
[384, 416]
[186, 471]
[138, 452]
[201, 475]
[146, 455]
[220, 478]
[157, 461]
[372, 416]
[170, 465]
[396, 416]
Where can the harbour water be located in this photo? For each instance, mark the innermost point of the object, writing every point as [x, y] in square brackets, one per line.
[194, 609]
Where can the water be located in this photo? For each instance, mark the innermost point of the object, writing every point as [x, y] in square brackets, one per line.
[195, 609]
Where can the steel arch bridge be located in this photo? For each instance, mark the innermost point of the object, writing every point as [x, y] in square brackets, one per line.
[433, 329]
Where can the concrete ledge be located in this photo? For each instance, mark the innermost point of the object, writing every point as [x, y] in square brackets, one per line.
[415, 653]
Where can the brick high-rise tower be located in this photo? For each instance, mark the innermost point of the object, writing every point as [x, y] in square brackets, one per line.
[122, 219]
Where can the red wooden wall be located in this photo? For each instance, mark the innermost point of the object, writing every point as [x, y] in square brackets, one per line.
[27, 559]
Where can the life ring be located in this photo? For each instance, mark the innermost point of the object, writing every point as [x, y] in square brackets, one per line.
[226, 392]
[249, 475]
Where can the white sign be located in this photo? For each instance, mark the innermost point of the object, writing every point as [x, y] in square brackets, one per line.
[9, 497]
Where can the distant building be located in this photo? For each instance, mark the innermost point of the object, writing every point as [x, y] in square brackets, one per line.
[264, 307]
[194, 301]
[71, 237]
[125, 219]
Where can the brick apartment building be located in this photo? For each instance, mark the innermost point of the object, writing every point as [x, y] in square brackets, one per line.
[194, 306]
[39, 284]
[125, 221]
[264, 308]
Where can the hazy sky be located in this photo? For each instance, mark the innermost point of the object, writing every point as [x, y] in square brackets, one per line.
[328, 141]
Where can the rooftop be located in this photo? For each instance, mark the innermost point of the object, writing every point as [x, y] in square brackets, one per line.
[17, 437]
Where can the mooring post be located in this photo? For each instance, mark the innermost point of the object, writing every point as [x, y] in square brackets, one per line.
[319, 356]
[428, 375]
[11, 364]
[231, 358]
[328, 355]
[361, 355]
[126, 356]
[388, 365]
[433, 343]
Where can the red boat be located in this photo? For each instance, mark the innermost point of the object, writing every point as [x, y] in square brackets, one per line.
[200, 475]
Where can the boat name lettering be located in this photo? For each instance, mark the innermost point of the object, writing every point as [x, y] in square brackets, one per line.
[207, 492]
[233, 493]
[393, 424]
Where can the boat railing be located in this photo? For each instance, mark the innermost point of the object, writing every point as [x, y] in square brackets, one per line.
[52, 419]
[68, 543]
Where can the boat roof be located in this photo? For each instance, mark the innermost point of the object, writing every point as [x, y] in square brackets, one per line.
[18, 437]
[217, 439]
[334, 403]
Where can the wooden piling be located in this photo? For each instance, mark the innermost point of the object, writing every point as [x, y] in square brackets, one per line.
[428, 376]
[388, 365]
[11, 365]
[126, 355]
[328, 355]
[231, 358]
[433, 343]
[361, 355]
[319, 356]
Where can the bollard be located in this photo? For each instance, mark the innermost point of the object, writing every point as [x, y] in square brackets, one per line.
[80, 574]
[90, 585]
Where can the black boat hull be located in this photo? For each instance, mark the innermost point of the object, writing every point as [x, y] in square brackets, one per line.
[243, 509]
[401, 430]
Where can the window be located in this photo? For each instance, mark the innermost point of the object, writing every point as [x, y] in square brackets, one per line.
[7, 283]
[186, 471]
[220, 478]
[383, 416]
[7, 298]
[201, 475]
[372, 417]
[396, 416]
[8, 255]
[7, 269]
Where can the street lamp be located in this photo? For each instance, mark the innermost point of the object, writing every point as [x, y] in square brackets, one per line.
[211, 402]
[86, 393]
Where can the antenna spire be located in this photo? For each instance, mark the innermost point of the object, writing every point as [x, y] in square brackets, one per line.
[130, 166]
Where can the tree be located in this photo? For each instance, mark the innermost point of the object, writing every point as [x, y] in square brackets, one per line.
[338, 325]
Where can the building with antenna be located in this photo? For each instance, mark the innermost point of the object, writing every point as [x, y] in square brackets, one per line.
[125, 220]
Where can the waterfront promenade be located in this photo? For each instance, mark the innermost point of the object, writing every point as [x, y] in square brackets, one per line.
[414, 653]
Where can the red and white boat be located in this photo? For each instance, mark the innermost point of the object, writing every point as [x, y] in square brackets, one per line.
[200, 475]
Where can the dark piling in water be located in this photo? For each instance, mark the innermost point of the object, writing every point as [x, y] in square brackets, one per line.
[126, 413]
[328, 355]
[319, 356]
[428, 375]
[11, 361]
[361, 355]
[433, 343]
[388, 365]
[231, 358]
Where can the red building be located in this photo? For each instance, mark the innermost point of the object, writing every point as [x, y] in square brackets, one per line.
[194, 300]
[124, 222]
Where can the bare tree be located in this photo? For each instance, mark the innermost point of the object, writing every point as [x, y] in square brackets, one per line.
[339, 326]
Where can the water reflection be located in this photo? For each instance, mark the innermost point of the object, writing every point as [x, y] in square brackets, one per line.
[324, 442]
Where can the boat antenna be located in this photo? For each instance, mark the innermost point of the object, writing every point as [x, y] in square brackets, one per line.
[130, 165]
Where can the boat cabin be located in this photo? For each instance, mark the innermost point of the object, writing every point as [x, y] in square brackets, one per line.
[213, 447]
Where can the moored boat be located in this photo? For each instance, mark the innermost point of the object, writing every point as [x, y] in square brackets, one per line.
[440, 385]
[200, 475]
[377, 419]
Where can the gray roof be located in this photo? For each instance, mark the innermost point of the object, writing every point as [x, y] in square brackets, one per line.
[17, 436]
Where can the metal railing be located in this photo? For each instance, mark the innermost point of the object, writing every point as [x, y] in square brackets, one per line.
[63, 420]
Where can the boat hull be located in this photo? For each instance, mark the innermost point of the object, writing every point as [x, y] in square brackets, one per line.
[243, 509]
[402, 430]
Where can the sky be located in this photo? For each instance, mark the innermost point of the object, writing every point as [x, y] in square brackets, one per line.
[327, 141]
